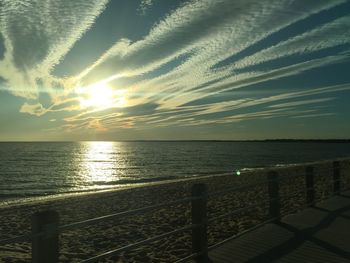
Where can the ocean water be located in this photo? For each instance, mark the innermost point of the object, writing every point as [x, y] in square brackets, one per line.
[30, 169]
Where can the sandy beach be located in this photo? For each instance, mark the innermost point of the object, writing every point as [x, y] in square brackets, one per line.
[76, 245]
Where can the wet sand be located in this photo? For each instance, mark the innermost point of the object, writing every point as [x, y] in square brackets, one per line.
[76, 245]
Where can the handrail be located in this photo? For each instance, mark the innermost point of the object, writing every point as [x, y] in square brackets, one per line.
[123, 213]
[24, 238]
[18, 239]
[137, 244]
[186, 259]
[248, 186]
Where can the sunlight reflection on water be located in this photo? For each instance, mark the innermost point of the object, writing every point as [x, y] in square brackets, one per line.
[47, 168]
[99, 162]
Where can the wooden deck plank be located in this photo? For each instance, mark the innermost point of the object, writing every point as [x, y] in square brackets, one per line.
[310, 252]
[317, 234]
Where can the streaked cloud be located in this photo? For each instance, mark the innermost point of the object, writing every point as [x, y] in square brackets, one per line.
[301, 102]
[145, 5]
[210, 30]
[226, 112]
[314, 115]
[34, 109]
[329, 35]
[37, 35]
[201, 50]
[38, 109]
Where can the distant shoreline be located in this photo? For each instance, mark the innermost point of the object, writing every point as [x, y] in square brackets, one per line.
[253, 140]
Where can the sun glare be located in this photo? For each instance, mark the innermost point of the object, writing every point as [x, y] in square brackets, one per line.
[101, 96]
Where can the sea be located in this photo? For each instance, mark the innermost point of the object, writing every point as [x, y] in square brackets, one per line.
[46, 169]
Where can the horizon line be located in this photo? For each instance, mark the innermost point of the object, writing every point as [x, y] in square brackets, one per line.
[190, 140]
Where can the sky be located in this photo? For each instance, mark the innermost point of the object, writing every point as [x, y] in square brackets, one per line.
[174, 70]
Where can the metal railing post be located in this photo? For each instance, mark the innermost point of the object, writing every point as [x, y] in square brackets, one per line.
[199, 217]
[309, 181]
[274, 199]
[45, 247]
[336, 177]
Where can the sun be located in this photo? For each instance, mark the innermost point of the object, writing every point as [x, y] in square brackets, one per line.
[100, 96]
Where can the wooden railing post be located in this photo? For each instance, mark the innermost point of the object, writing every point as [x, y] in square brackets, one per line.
[45, 247]
[336, 177]
[274, 199]
[199, 217]
[310, 190]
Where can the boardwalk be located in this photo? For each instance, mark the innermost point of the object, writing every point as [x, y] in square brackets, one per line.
[317, 234]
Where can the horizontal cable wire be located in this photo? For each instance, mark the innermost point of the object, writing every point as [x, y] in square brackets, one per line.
[22, 238]
[186, 259]
[137, 244]
[124, 213]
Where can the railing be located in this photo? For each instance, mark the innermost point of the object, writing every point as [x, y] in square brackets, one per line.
[46, 228]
